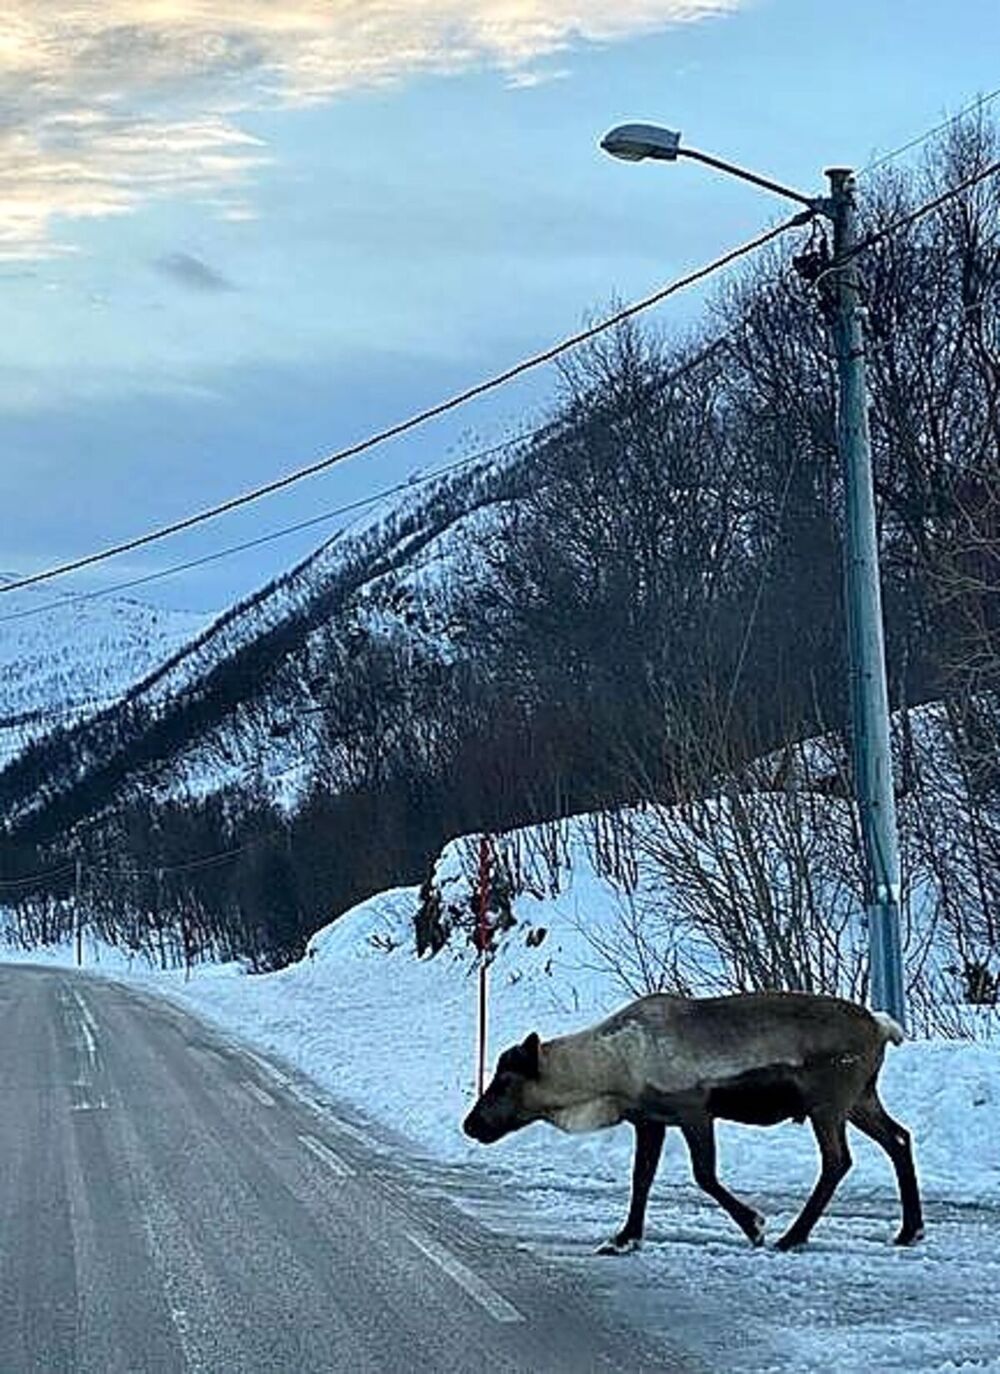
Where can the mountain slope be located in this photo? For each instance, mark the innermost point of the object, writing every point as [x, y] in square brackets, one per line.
[234, 703]
[66, 664]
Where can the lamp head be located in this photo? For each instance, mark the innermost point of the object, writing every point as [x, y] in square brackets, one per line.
[633, 142]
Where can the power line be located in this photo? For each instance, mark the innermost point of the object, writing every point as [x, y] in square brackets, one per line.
[363, 503]
[31, 878]
[31, 715]
[11, 584]
[905, 221]
[220, 856]
[978, 104]
[217, 857]
[422, 417]
[461, 398]
[80, 711]
[867, 242]
[408, 484]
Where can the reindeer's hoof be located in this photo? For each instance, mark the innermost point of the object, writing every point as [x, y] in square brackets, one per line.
[790, 1241]
[755, 1234]
[618, 1246]
[909, 1237]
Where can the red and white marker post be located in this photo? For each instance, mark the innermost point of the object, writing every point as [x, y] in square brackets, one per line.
[484, 936]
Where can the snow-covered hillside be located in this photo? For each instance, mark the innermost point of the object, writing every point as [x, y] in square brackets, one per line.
[273, 652]
[387, 576]
[63, 664]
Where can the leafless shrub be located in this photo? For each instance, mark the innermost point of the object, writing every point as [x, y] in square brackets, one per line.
[769, 882]
[952, 824]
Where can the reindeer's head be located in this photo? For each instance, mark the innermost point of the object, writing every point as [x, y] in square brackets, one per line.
[504, 1106]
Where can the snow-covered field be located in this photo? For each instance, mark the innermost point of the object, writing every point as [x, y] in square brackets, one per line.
[394, 1037]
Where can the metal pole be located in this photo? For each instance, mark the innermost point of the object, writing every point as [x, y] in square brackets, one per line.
[872, 753]
[744, 175]
[78, 921]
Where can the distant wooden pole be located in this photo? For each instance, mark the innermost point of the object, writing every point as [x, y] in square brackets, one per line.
[77, 916]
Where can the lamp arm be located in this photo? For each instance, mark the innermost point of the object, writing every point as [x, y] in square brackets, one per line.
[813, 202]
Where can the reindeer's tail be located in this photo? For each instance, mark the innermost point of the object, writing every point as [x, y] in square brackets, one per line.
[892, 1031]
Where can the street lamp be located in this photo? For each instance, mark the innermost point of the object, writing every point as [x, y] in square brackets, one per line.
[870, 730]
[637, 142]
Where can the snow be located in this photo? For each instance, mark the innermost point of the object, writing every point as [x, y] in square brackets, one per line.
[76, 658]
[385, 570]
[393, 1036]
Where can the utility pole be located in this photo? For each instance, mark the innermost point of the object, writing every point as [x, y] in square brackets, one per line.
[77, 917]
[871, 746]
[866, 647]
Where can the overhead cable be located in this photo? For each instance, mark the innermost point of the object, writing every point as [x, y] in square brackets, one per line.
[980, 103]
[904, 221]
[461, 398]
[408, 484]
[362, 503]
[8, 884]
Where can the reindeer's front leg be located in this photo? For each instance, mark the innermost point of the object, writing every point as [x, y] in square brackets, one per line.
[648, 1147]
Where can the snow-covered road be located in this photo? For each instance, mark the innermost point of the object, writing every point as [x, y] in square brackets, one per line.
[849, 1303]
[393, 1037]
[171, 1204]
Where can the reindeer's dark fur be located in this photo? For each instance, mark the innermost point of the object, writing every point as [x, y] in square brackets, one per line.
[672, 1061]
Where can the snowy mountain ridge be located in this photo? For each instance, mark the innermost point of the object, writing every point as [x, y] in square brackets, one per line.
[225, 700]
[75, 659]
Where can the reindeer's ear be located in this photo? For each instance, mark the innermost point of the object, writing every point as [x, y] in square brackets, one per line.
[528, 1054]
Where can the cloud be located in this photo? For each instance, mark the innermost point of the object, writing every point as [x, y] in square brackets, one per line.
[193, 273]
[75, 164]
[530, 77]
[108, 104]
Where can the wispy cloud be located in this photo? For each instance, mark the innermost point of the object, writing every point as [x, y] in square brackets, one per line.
[193, 273]
[107, 104]
[527, 78]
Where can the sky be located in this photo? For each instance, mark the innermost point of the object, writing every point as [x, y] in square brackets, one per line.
[235, 237]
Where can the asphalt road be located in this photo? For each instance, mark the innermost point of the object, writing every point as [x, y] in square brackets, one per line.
[170, 1202]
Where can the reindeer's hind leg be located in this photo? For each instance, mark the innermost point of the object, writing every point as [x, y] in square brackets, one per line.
[700, 1137]
[648, 1147]
[870, 1116]
[831, 1135]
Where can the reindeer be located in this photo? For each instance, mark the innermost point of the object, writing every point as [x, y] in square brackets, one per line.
[756, 1058]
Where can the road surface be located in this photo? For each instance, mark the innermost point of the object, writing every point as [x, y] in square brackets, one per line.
[170, 1202]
